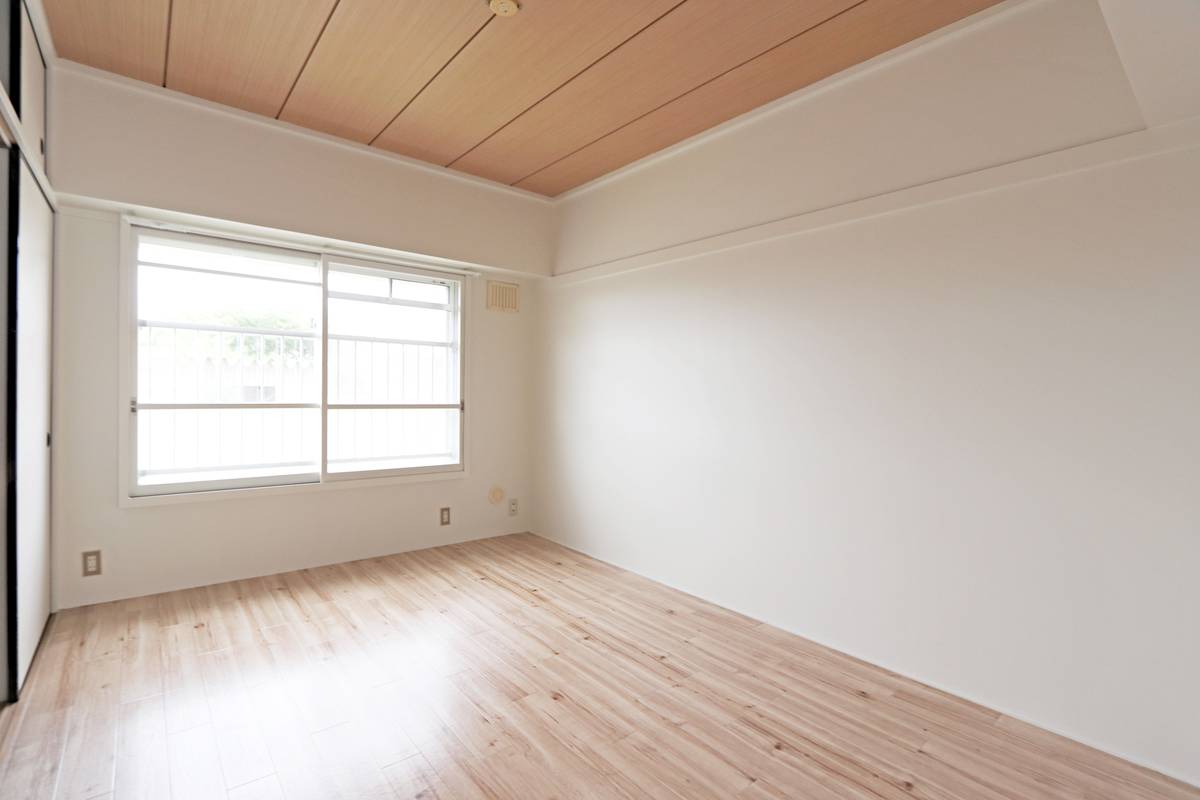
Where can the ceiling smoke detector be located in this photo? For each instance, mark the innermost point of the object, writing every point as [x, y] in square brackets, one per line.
[504, 8]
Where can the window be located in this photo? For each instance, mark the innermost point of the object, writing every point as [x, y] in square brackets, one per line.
[393, 378]
[259, 366]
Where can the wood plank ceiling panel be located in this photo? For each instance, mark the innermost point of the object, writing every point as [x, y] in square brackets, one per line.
[374, 57]
[547, 100]
[509, 67]
[862, 32]
[128, 37]
[694, 43]
[245, 55]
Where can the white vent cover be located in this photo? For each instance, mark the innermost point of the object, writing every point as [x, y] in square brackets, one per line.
[503, 296]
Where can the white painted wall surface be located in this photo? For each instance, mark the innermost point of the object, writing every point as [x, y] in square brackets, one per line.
[124, 141]
[1026, 79]
[1157, 42]
[158, 548]
[958, 441]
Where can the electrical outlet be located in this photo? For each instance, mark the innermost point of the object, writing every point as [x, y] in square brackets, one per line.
[512, 507]
[91, 563]
[445, 516]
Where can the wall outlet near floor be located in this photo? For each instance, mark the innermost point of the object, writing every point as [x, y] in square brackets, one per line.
[445, 516]
[513, 507]
[91, 563]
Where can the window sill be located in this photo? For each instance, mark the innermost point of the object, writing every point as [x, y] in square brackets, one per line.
[337, 484]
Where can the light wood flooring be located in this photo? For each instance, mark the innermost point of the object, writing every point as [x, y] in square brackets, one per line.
[504, 668]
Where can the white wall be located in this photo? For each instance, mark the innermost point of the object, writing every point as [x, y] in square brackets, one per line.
[904, 365]
[125, 141]
[959, 441]
[1025, 79]
[158, 548]
[119, 143]
[1157, 43]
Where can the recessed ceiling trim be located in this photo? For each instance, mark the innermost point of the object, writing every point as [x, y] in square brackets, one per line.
[1133, 146]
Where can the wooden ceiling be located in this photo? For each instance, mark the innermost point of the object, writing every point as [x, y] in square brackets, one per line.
[561, 93]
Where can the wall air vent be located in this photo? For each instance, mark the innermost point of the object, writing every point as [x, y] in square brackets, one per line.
[503, 296]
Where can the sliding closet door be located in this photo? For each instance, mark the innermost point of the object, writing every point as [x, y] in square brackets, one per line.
[8, 626]
[35, 238]
[9, 48]
[33, 91]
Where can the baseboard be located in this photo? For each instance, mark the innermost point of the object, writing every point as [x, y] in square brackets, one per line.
[257, 574]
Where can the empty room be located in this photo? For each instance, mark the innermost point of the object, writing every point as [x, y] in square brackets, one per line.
[577, 400]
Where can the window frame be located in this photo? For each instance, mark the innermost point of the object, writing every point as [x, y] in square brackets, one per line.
[132, 494]
[457, 292]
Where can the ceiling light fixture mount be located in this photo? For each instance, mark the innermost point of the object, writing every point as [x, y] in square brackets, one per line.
[504, 8]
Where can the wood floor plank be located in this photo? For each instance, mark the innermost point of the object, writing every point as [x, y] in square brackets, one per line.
[183, 682]
[143, 769]
[195, 765]
[414, 777]
[89, 756]
[297, 762]
[33, 767]
[240, 745]
[508, 668]
[344, 755]
[267, 788]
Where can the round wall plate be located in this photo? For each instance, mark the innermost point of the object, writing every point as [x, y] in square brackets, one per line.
[504, 8]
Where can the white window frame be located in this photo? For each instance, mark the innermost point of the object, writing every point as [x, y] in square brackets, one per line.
[131, 494]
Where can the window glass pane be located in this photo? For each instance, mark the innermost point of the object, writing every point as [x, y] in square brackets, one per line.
[385, 372]
[377, 439]
[231, 334]
[211, 254]
[186, 445]
[420, 292]
[387, 354]
[184, 365]
[171, 295]
[355, 283]
[364, 318]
